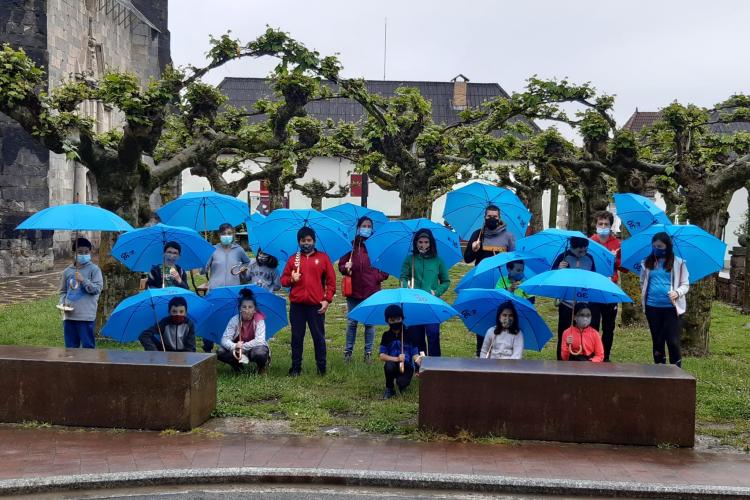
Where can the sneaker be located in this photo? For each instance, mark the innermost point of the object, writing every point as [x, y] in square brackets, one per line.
[294, 373]
[347, 357]
[368, 358]
[388, 394]
[322, 371]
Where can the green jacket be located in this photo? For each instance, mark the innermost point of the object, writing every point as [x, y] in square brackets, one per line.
[504, 284]
[430, 274]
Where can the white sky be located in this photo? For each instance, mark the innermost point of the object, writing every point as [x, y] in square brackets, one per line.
[648, 53]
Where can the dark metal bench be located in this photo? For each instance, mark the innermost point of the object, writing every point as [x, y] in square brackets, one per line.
[106, 388]
[558, 401]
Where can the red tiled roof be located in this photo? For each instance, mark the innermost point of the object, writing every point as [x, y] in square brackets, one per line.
[641, 119]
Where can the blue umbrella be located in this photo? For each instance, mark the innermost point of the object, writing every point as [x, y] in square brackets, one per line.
[464, 209]
[420, 307]
[137, 313]
[142, 248]
[75, 217]
[703, 253]
[638, 212]
[204, 211]
[550, 243]
[252, 224]
[348, 214]
[478, 310]
[487, 273]
[575, 285]
[277, 234]
[225, 305]
[392, 244]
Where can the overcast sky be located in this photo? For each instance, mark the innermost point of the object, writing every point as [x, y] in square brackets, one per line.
[648, 53]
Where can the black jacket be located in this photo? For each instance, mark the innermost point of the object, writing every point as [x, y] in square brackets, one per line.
[154, 278]
[177, 338]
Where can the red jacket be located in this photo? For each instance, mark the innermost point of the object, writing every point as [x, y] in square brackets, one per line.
[365, 278]
[318, 281]
[613, 245]
[592, 344]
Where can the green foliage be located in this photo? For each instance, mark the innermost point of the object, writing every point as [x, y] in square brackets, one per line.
[19, 76]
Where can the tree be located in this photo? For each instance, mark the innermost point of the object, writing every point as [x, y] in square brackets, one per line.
[317, 190]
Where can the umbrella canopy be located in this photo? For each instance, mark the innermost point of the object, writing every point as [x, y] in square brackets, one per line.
[550, 243]
[142, 248]
[464, 209]
[277, 234]
[392, 244]
[478, 310]
[703, 253]
[638, 212]
[252, 224]
[137, 313]
[487, 273]
[348, 214]
[75, 217]
[225, 302]
[420, 307]
[575, 285]
[204, 211]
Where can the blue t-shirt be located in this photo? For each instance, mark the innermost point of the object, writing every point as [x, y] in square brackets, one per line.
[659, 285]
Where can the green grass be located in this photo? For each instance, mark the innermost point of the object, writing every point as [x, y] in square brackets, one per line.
[350, 394]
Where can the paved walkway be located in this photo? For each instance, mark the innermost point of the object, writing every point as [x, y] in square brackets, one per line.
[31, 286]
[35, 453]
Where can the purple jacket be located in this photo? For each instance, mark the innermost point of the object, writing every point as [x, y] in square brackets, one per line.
[366, 279]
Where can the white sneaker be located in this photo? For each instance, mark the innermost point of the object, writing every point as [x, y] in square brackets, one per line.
[244, 359]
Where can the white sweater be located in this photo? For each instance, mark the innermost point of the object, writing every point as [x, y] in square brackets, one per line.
[231, 334]
[503, 346]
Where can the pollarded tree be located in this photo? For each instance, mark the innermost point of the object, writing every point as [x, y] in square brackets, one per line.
[317, 190]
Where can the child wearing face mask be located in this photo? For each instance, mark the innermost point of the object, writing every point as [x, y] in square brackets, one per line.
[175, 333]
[504, 340]
[580, 341]
[228, 255]
[575, 257]
[80, 288]
[263, 272]
[175, 275]
[425, 270]
[400, 356]
[244, 339]
[664, 284]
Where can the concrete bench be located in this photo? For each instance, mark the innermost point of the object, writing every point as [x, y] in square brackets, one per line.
[558, 401]
[107, 388]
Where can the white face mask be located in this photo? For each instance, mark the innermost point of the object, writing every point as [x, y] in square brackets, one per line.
[583, 321]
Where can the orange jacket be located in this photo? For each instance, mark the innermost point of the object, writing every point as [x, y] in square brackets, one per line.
[592, 343]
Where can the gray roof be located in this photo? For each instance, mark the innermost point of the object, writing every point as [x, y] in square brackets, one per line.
[642, 119]
[244, 92]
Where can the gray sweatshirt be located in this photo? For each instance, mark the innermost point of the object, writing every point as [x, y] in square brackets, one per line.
[220, 265]
[263, 276]
[85, 298]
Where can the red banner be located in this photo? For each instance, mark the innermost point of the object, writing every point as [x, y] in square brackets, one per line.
[355, 185]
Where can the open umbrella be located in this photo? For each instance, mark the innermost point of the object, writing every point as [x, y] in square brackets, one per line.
[487, 273]
[225, 305]
[552, 242]
[478, 310]
[575, 285]
[75, 217]
[204, 211]
[464, 209]
[142, 311]
[420, 307]
[349, 213]
[252, 224]
[703, 253]
[638, 212]
[391, 244]
[142, 248]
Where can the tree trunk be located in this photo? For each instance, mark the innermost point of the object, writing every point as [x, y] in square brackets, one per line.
[534, 203]
[119, 281]
[554, 197]
[576, 214]
[275, 193]
[316, 202]
[416, 201]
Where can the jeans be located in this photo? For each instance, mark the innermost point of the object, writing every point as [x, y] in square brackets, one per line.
[664, 324]
[606, 316]
[393, 374]
[300, 316]
[258, 355]
[417, 334]
[351, 329]
[79, 334]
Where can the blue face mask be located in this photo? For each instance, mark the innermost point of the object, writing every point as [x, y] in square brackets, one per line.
[604, 231]
[83, 259]
[226, 239]
[365, 232]
[659, 253]
[515, 276]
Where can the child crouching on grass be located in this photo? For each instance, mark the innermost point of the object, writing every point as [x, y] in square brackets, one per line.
[400, 355]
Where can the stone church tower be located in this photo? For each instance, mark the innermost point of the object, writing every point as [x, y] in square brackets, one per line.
[70, 38]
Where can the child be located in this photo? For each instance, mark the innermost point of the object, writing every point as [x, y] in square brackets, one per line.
[312, 280]
[175, 333]
[425, 270]
[513, 278]
[176, 276]
[504, 340]
[491, 239]
[582, 343]
[263, 271]
[400, 357]
[244, 339]
[79, 297]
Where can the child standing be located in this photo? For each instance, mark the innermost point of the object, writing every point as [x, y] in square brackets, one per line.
[79, 297]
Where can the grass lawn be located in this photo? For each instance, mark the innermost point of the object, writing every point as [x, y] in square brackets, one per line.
[350, 394]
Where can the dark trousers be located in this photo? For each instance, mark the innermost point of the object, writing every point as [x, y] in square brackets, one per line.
[604, 315]
[300, 316]
[664, 324]
[208, 345]
[258, 355]
[564, 320]
[393, 375]
[430, 345]
[79, 334]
